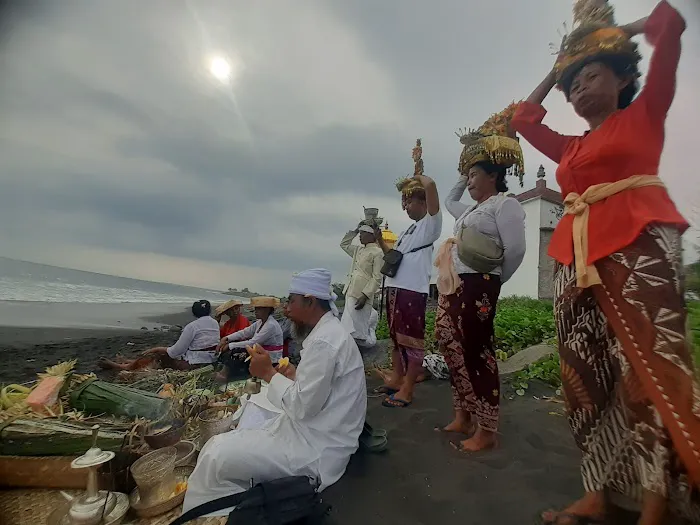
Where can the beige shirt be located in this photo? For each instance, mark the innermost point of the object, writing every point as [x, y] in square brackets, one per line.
[367, 261]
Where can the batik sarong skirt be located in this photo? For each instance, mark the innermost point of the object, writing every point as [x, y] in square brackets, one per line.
[406, 318]
[464, 330]
[633, 404]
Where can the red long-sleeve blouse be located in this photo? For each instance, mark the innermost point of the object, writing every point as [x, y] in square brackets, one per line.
[628, 143]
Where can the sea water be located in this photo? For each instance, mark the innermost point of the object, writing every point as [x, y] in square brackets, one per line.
[26, 281]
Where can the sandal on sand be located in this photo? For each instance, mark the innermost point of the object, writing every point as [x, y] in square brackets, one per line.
[392, 402]
[385, 390]
[368, 430]
[565, 518]
[374, 444]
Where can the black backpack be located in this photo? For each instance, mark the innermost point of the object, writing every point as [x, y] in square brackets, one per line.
[285, 501]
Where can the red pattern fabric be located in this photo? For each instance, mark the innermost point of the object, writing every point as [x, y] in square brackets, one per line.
[464, 329]
[406, 318]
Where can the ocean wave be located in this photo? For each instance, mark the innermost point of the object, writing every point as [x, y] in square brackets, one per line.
[65, 292]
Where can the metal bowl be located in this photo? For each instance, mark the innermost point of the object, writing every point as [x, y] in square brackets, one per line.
[165, 439]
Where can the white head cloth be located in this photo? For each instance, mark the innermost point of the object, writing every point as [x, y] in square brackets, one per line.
[366, 228]
[314, 283]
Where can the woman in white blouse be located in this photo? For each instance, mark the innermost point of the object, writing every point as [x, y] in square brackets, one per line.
[265, 331]
[467, 305]
[195, 347]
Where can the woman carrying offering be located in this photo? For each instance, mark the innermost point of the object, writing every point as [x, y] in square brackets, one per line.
[470, 277]
[626, 369]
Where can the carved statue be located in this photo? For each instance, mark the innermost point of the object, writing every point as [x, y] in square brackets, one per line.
[417, 155]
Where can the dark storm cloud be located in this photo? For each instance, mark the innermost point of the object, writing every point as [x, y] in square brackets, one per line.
[115, 137]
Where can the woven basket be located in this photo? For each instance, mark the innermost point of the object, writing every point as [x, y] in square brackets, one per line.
[209, 426]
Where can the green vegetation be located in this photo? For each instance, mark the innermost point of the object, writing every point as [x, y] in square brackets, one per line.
[545, 370]
[520, 322]
[694, 325]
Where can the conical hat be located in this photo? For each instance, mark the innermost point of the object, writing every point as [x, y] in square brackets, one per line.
[264, 302]
[227, 306]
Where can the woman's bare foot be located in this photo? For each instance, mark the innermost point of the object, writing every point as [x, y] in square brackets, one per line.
[462, 424]
[459, 427]
[108, 364]
[591, 505]
[481, 440]
[392, 381]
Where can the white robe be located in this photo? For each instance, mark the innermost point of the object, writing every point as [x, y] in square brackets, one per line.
[370, 335]
[321, 417]
[357, 322]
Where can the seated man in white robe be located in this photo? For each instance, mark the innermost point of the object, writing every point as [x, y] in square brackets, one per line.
[319, 407]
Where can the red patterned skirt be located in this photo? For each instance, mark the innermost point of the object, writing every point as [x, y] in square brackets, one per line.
[464, 330]
[627, 373]
[406, 319]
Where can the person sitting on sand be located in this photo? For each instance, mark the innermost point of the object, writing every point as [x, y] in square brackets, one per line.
[196, 346]
[236, 321]
[265, 332]
[319, 407]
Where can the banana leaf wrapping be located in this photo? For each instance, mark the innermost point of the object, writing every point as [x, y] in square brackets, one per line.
[97, 397]
[50, 437]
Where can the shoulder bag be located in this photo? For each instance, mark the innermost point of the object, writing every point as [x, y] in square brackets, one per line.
[478, 251]
[393, 258]
[284, 501]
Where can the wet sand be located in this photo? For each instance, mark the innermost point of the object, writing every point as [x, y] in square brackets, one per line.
[26, 350]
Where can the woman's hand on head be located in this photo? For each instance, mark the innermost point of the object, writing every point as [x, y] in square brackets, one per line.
[635, 28]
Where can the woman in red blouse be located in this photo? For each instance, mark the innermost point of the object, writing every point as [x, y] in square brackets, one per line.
[634, 407]
[236, 321]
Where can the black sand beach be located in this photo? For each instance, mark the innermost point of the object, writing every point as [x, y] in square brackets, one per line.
[420, 480]
[24, 351]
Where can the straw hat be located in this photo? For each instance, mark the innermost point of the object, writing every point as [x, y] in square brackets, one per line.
[264, 302]
[227, 306]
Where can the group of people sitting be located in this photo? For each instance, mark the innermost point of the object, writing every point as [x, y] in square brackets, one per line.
[307, 420]
[206, 340]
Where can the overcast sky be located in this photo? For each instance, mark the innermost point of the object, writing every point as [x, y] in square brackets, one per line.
[120, 153]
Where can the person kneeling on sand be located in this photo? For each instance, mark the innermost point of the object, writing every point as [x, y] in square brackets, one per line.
[196, 346]
[314, 415]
